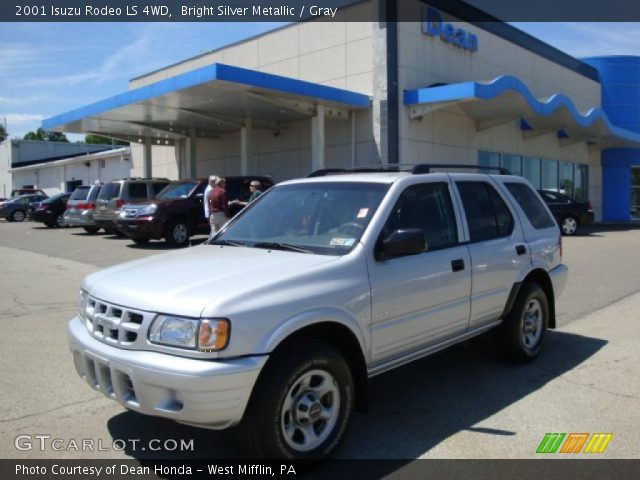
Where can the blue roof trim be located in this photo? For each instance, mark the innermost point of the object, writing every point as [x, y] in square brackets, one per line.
[216, 71]
[506, 83]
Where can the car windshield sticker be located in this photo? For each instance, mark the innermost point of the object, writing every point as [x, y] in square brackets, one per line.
[363, 212]
[342, 242]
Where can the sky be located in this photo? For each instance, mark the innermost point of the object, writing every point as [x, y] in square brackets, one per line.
[48, 69]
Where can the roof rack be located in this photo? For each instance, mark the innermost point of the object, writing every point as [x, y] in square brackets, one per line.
[414, 169]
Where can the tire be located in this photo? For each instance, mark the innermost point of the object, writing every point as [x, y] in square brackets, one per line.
[60, 221]
[91, 230]
[177, 233]
[525, 327]
[279, 412]
[141, 240]
[110, 230]
[569, 225]
[18, 216]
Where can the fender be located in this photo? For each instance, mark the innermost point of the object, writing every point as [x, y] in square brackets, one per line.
[310, 317]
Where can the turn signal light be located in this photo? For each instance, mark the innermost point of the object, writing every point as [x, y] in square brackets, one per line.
[213, 335]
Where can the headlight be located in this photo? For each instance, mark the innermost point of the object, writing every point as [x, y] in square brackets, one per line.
[148, 209]
[204, 335]
[82, 304]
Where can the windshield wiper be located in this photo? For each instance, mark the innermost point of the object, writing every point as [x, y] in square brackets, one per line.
[231, 243]
[282, 246]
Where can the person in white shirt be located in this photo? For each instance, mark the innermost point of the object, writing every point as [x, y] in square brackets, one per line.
[205, 202]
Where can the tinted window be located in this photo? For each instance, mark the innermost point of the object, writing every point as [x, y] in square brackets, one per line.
[80, 193]
[109, 191]
[56, 198]
[530, 204]
[487, 215]
[426, 206]
[138, 190]
[177, 190]
[157, 188]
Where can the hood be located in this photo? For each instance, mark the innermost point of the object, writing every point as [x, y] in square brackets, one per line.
[183, 282]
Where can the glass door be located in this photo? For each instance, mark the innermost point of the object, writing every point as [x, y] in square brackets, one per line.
[635, 192]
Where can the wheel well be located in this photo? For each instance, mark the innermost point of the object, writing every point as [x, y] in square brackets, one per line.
[540, 277]
[346, 342]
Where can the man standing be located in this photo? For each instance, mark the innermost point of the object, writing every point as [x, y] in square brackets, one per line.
[205, 197]
[217, 200]
[256, 190]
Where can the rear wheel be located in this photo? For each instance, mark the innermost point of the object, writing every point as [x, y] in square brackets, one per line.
[60, 221]
[525, 327]
[91, 230]
[301, 404]
[18, 216]
[569, 225]
[177, 233]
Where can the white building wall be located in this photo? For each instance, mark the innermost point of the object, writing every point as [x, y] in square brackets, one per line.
[164, 162]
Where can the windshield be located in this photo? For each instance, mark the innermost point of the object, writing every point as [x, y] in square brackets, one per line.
[177, 190]
[326, 218]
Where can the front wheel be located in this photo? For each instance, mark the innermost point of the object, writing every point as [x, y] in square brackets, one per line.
[569, 225]
[301, 404]
[525, 327]
[177, 234]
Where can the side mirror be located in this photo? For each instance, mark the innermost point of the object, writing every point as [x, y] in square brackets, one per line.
[407, 241]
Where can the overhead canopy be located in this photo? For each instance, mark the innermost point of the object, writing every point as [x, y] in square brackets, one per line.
[506, 99]
[206, 102]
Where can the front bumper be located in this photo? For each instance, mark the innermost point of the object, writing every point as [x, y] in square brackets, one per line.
[205, 393]
[144, 227]
[559, 277]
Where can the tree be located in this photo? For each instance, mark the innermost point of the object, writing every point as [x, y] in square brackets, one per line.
[3, 133]
[98, 140]
[43, 136]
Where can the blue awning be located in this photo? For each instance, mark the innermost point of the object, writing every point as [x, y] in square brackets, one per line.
[507, 98]
[210, 100]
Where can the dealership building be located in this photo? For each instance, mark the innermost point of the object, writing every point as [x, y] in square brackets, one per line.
[441, 89]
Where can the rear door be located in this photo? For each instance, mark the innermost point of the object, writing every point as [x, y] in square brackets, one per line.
[498, 251]
[418, 300]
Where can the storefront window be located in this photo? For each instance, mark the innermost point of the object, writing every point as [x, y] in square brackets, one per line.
[531, 170]
[488, 159]
[513, 163]
[550, 175]
[581, 183]
[565, 178]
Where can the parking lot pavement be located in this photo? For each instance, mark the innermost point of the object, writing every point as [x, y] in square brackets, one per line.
[465, 402]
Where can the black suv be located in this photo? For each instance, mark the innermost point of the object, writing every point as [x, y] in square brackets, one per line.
[569, 213]
[177, 212]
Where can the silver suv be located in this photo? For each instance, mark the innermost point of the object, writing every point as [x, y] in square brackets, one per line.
[278, 322]
[113, 195]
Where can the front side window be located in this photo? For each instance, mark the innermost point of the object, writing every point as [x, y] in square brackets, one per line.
[177, 190]
[428, 207]
[488, 217]
[530, 204]
[321, 217]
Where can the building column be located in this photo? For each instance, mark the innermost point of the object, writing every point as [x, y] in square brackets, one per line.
[317, 139]
[246, 147]
[147, 170]
[191, 154]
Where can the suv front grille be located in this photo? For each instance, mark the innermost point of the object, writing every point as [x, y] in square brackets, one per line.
[114, 324]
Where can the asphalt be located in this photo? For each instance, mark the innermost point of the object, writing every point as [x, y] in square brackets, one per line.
[465, 402]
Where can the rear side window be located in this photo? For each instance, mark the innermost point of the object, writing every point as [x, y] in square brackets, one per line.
[109, 191]
[156, 188]
[426, 206]
[138, 190]
[488, 217]
[80, 193]
[531, 205]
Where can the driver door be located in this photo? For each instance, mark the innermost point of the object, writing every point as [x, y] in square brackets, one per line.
[418, 300]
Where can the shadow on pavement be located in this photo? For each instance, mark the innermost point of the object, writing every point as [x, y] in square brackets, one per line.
[153, 245]
[412, 408]
[596, 229]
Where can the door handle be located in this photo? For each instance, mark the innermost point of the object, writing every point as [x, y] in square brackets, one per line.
[521, 249]
[457, 265]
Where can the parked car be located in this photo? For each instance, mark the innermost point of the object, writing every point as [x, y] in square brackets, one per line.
[27, 191]
[278, 322]
[51, 211]
[81, 207]
[16, 209]
[113, 195]
[177, 212]
[569, 213]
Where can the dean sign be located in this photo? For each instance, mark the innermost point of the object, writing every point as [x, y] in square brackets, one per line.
[432, 25]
